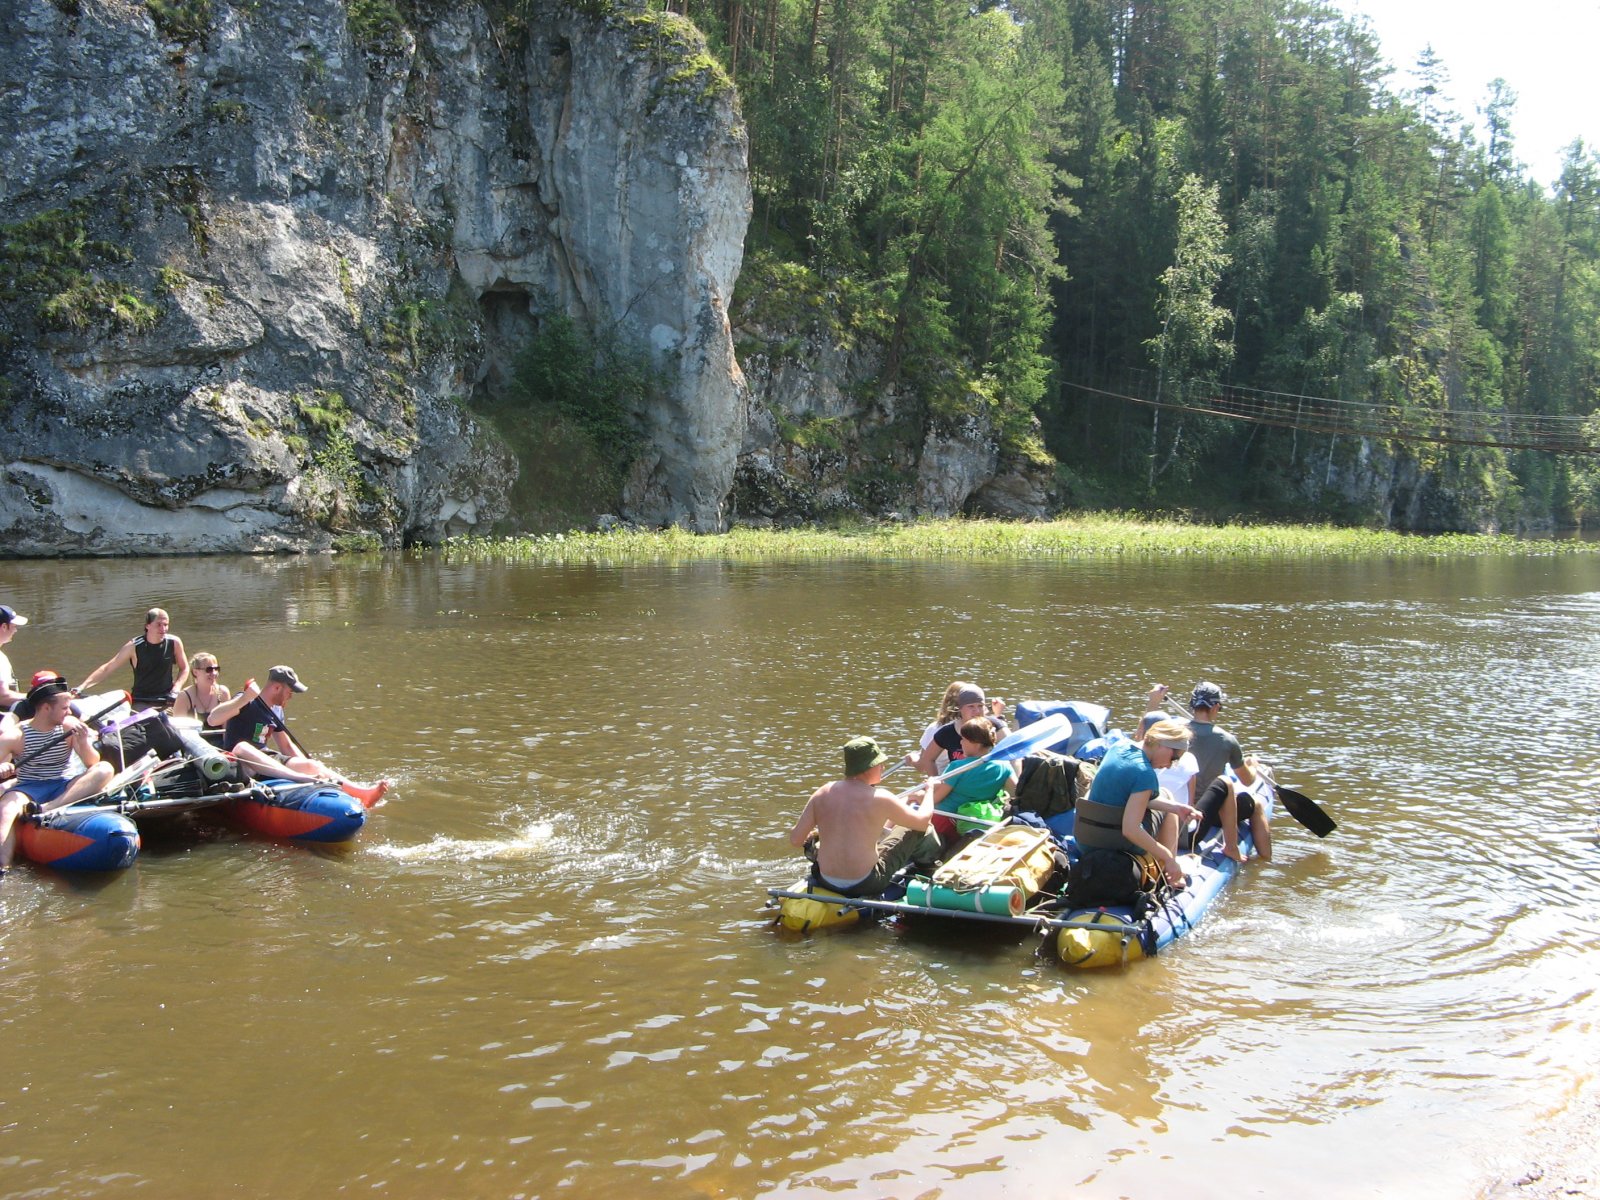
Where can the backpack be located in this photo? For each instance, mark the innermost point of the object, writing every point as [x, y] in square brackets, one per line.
[1050, 784]
[1103, 878]
[130, 743]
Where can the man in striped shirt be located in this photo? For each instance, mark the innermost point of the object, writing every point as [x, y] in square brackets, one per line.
[49, 760]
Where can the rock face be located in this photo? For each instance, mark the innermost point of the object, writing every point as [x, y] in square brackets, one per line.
[254, 264]
[823, 439]
[1381, 486]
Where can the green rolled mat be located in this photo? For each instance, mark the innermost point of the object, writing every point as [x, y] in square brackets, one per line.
[1004, 901]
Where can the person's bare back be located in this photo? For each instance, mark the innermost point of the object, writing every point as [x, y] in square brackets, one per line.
[849, 816]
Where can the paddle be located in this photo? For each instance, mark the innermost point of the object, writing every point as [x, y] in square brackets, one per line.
[1305, 810]
[1044, 732]
[294, 737]
[1297, 804]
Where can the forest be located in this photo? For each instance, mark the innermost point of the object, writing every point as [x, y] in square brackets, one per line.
[1024, 202]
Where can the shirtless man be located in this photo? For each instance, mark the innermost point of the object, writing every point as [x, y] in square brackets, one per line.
[48, 740]
[850, 816]
[154, 655]
[253, 719]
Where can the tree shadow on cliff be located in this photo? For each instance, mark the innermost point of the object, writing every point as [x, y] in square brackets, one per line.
[562, 481]
[568, 413]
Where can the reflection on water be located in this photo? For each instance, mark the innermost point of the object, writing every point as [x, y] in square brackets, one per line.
[545, 967]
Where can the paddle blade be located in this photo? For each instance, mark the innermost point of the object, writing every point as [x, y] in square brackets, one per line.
[1305, 810]
[1043, 732]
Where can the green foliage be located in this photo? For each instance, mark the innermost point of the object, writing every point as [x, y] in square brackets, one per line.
[51, 260]
[777, 293]
[87, 301]
[416, 326]
[376, 25]
[357, 543]
[590, 380]
[810, 431]
[675, 44]
[1192, 323]
[570, 415]
[227, 112]
[337, 487]
[337, 461]
[325, 412]
[901, 159]
[184, 21]
[1091, 536]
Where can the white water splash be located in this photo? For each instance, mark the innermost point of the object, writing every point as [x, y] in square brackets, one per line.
[524, 843]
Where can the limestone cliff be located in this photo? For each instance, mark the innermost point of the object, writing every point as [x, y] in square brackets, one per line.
[825, 437]
[257, 256]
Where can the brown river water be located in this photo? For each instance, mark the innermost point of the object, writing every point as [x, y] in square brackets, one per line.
[544, 969]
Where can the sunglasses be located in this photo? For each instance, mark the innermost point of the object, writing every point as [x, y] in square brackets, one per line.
[211, 670]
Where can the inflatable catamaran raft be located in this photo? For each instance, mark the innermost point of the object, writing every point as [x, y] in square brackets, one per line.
[1014, 875]
[166, 768]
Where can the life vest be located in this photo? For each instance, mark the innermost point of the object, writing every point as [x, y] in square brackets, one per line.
[1099, 827]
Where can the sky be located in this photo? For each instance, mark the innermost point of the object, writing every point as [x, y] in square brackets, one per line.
[1545, 49]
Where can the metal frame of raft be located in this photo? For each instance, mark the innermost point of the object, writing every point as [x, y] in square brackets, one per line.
[1084, 937]
[1039, 921]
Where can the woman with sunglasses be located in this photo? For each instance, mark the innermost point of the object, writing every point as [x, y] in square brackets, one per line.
[205, 693]
[1126, 808]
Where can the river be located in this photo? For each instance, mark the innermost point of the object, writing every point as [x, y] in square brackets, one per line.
[545, 968]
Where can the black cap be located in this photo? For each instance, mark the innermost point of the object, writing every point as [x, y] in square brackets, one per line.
[286, 675]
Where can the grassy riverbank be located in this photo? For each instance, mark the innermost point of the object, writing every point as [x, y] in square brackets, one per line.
[1090, 535]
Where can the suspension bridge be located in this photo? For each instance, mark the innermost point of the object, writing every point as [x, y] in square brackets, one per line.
[1349, 418]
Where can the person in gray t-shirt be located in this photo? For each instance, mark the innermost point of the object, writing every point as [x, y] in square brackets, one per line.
[1215, 750]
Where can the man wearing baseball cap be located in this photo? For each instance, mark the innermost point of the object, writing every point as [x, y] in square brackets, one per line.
[848, 817]
[253, 720]
[1221, 801]
[10, 621]
[1215, 749]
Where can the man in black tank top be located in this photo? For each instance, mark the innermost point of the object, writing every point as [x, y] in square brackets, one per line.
[48, 741]
[154, 656]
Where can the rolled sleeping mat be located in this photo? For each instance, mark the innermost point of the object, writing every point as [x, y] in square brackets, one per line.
[1001, 901]
[212, 763]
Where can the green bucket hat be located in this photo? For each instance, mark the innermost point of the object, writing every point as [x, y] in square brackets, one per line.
[862, 754]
